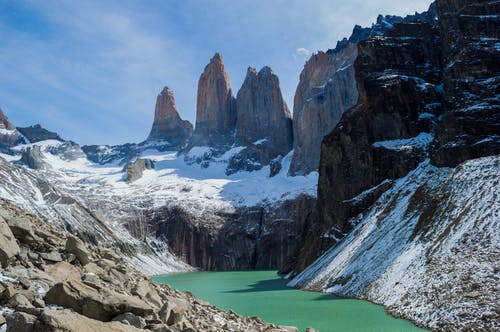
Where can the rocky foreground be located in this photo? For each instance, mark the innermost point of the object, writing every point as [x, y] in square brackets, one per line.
[51, 281]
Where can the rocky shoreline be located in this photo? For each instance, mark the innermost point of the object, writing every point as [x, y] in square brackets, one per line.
[52, 281]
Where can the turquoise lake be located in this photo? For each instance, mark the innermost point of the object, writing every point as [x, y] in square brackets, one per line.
[264, 294]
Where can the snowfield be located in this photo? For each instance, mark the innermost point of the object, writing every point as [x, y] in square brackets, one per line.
[427, 250]
[71, 186]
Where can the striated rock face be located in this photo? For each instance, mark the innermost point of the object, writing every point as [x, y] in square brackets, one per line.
[247, 238]
[168, 125]
[327, 88]
[470, 38]
[263, 114]
[215, 107]
[385, 135]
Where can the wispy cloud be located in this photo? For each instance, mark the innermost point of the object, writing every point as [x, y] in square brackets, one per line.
[92, 69]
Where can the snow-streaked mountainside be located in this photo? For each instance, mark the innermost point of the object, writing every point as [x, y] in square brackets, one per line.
[32, 191]
[96, 199]
[428, 249]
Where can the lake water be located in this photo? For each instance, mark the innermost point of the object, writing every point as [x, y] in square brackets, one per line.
[264, 294]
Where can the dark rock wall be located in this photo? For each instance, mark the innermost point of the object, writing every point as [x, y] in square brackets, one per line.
[417, 78]
[248, 238]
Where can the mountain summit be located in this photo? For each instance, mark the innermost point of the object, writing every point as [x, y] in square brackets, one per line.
[168, 124]
[215, 107]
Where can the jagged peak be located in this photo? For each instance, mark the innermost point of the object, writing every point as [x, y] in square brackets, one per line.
[4, 121]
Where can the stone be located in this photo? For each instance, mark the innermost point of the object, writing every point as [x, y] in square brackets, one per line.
[147, 293]
[19, 300]
[8, 244]
[77, 247]
[21, 228]
[20, 321]
[168, 125]
[63, 271]
[67, 320]
[53, 256]
[215, 106]
[130, 319]
[101, 305]
[263, 114]
[136, 168]
[176, 315]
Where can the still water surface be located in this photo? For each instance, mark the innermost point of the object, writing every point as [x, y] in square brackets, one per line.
[264, 294]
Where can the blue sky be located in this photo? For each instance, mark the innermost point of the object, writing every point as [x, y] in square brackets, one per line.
[91, 69]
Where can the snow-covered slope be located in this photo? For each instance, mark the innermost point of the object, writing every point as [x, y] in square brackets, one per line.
[35, 193]
[121, 208]
[428, 249]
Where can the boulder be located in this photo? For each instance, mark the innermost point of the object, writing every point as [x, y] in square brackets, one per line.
[53, 256]
[168, 125]
[77, 247]
[20, 322]
[101, 305]
[136, 168]
[129, 318]
[22, 229]
[66, 320]
[8, 245]
[63, 271]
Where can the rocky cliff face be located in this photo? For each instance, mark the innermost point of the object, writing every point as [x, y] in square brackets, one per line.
[262, 113]
[260, 237]
[215, 106]
[168, 125]
[428, 98]
[327, 88]
[264, 123]
[400, 96]
[470, 38]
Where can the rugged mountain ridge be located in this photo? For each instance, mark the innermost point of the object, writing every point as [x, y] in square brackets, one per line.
[394, 222]
[327, 88]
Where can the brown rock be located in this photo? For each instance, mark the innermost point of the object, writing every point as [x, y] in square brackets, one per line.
[102, 305]
[66, 320]
[167, 124]
[4, 122]
[215, 107]
[76, 247]
[263, 114]
[63, 271]
[8, 245]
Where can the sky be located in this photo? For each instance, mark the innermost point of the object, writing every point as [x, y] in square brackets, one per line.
[91, 70]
